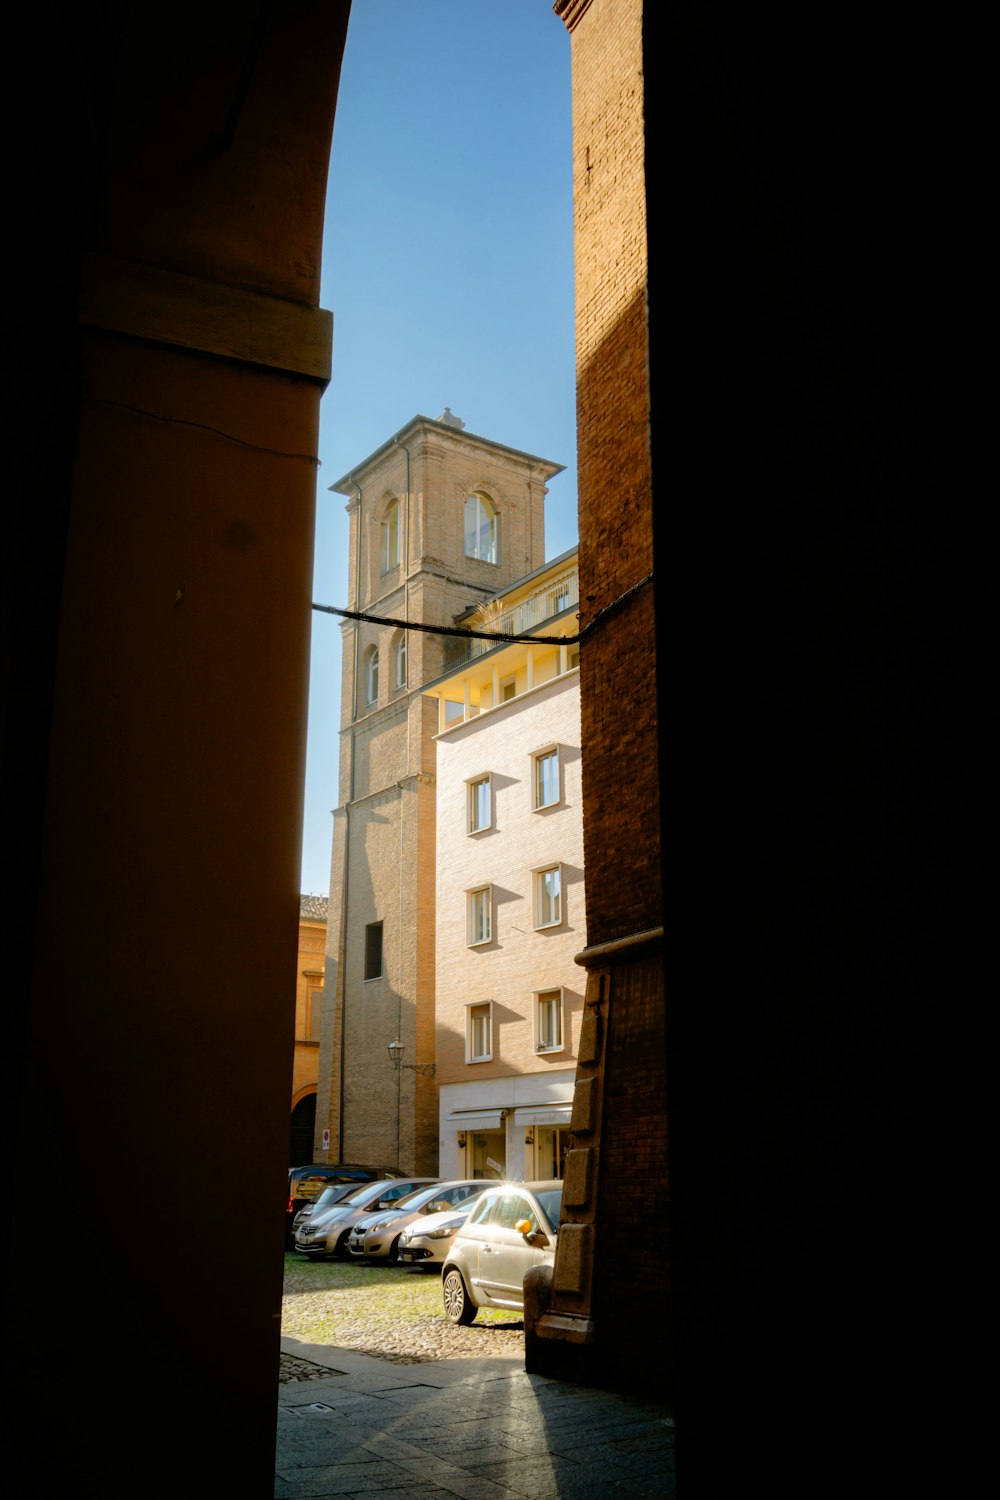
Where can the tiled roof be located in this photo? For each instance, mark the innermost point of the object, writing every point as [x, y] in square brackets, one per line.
[313, 908]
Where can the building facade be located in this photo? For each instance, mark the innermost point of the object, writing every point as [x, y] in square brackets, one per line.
[510, 894]
[313, 912]
[440, 519]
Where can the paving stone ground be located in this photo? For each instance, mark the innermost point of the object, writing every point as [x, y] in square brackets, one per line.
[391, 1312]
[465, 1424]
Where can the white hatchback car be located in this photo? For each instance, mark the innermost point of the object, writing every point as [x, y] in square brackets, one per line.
[425, 1243]
[511, 1228]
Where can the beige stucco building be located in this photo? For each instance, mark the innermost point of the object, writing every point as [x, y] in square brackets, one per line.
[510, 912]
[440, 520]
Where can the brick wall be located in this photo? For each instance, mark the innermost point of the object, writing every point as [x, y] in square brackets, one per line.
[618, 667]
[619, 1118]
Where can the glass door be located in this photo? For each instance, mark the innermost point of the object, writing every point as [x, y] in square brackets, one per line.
[489, 1154]
[551, 1143]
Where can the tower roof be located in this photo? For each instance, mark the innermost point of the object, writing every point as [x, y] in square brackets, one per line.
[451, 427]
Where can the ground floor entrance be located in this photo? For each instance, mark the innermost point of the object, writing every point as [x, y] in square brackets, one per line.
[488, 1156]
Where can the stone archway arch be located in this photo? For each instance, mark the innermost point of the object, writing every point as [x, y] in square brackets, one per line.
[170, 366]
[302, 1126]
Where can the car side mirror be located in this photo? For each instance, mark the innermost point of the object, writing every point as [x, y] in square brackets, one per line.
[533, 1236]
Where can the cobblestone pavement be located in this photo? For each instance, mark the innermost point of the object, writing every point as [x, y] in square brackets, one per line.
[388, 1312]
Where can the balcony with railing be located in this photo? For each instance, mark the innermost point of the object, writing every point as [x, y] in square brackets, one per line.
[551, 599]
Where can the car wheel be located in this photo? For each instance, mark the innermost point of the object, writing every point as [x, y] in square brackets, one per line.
[393, 1255]
[340, 1250]
[457, 1306]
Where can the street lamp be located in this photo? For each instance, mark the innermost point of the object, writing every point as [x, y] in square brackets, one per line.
[396, 1057]
[396, 1050]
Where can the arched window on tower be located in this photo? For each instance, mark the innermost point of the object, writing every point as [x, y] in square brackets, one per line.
[371, 675]
[399, 660]
[390, 538]
[481, 528]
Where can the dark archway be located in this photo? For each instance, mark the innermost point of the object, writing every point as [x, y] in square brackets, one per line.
[303, 1125]
[168, 199]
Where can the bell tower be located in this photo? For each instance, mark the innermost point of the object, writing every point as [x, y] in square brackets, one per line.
[440, 519]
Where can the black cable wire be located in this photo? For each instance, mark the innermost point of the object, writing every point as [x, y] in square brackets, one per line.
[491, 635]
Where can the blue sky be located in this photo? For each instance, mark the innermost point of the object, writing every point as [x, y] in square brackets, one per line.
[448, 267]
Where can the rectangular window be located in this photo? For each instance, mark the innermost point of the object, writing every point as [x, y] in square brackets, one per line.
[479, 1032]
[508, 689]
[546, 778]
[548, 896]
[373, 950]
[480, 916]
[548, 1020]
[315, 1014]
[480, 804]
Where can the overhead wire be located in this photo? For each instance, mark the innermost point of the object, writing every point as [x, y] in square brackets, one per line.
[500, 636]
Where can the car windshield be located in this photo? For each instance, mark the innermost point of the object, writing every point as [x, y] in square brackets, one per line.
[366, 1194]
[461, 1193]
[414, 1198]
[430, 1197]
[332, 1194]
[551, 1202]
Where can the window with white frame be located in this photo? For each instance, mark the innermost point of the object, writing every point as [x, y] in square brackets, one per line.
[479, 915]
[371, 675]
[545, 777]
[547, 901]
[479, 804]
[390, 538]
[481, 528]
[479, 1032]
[548, 1020]
[399, 661]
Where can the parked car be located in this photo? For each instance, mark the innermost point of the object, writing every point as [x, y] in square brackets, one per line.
[334, 1192]
[511, 1228]
[362, 1195]
[306, 1183]
[375, 1237]
[326, 1233]
[424, 1244]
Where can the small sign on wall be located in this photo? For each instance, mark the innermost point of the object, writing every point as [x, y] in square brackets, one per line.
[326, 1140]
[494, 1164]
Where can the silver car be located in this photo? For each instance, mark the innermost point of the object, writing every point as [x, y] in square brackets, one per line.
[425, 1243]
[334, 1193]
[326, 1233]
[376, 1237]
[511, 1228]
